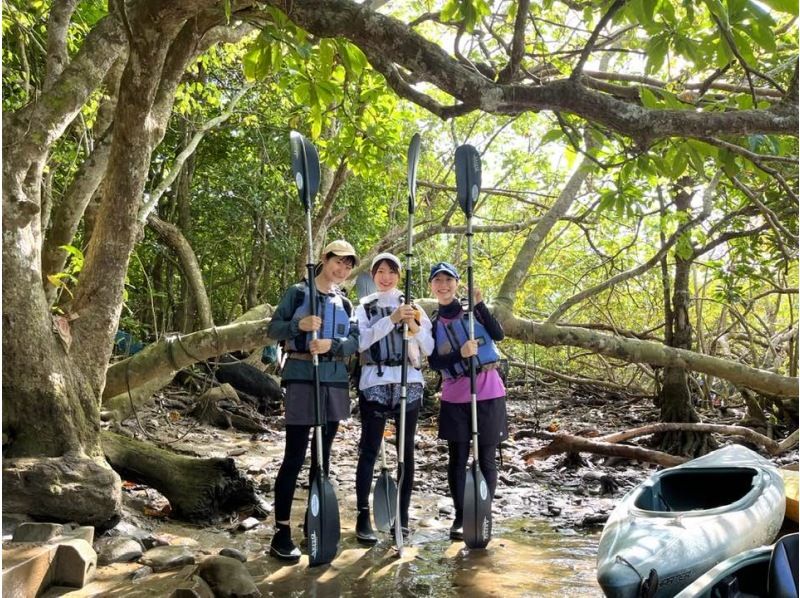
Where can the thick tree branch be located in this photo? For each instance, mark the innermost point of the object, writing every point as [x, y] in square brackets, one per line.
[381, 36]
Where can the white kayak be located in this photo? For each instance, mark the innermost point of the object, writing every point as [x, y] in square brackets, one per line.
[763, 571]
[682, 521]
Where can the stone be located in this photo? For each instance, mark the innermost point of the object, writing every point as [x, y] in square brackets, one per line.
[249, 523]
[141, 573]
[76, 563]
[194, 588]
[161, 558]
[234, 554]
[228, 578]
[37, 532]
[117, 549]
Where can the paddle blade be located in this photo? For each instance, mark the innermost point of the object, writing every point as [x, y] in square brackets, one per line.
[477, 509]
[365, 285]
[323, 522]
[305, 168]
[383, 501]
[413, 160]
[312, 169]
[468, 177]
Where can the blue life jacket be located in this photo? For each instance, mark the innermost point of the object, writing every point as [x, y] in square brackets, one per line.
[451, 336]
[334, 310]
[388, 351]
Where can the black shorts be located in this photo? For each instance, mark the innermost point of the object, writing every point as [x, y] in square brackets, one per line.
[299, 402]
[455, 421]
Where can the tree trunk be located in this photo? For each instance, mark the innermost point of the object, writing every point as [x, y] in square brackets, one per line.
[190, 267]
[200, 490]
[675, 399]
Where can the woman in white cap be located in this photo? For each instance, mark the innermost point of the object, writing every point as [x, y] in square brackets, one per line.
[337, 340]
[381, 316]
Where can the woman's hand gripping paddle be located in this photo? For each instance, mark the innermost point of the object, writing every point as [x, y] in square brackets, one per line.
[477, 501]
[323, 510]
[413, 160]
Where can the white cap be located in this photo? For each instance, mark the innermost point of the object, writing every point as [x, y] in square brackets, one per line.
[386, 256]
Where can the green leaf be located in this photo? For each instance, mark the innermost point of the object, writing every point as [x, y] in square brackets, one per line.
[451, 11]
[656, 53]
[787, 6]
[683, 248]
[762, 35]
[649, 99]
[552, 135]
[680, 163]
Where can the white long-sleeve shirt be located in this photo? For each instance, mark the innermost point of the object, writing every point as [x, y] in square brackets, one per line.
[420, 343]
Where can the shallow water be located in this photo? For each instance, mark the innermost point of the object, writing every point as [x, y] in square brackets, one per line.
[525, 558]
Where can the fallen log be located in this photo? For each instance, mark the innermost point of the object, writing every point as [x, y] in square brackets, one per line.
[566, 443]
[198, 490]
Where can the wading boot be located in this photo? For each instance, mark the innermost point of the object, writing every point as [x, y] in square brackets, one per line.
[282, 547]
[364, 532]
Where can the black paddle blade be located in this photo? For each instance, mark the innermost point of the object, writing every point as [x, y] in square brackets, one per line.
[323, 522]
[305, 168]
[477, 509]
[312, 168]
[468, 177]
[413, 160]
[383, 501]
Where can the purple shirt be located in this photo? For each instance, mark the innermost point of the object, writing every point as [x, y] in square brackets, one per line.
[488, 384]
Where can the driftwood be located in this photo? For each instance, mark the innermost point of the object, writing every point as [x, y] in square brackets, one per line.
[566, 443]
[606, 445]
[199, 490]
[221, 407]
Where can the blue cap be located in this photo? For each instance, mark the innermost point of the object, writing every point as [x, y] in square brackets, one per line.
[445, 267]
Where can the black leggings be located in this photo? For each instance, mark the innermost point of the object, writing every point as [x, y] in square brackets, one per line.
[457, 469]
[373, 421]
[294, 456]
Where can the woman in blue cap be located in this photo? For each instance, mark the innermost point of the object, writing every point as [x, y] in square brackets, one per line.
[451, 357]
[381, 316]
[337, 340]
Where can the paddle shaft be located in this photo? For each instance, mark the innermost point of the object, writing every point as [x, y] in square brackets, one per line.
[473, 399]
[312, 292]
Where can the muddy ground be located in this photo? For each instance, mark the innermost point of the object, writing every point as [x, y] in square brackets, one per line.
[548, 514]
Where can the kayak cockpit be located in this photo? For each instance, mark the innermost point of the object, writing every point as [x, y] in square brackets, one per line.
[696, 488]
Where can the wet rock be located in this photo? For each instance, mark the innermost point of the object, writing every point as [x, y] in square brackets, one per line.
[594, 519]
[234, 554]
[248, 523]
[117, 549]
[167, 557]
[141, 573]
[228, 577]
[554, 510]
[196, 587]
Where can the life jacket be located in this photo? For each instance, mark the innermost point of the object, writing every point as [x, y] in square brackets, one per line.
[452, 335]
[334, 310]
[388, 351]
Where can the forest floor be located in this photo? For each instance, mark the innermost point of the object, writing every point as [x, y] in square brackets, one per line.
[547, 513]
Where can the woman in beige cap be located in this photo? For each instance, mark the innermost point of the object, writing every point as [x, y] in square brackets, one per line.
[337, 340]
[381, 316]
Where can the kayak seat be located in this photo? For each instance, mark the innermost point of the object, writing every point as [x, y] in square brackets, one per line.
[782, 579]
